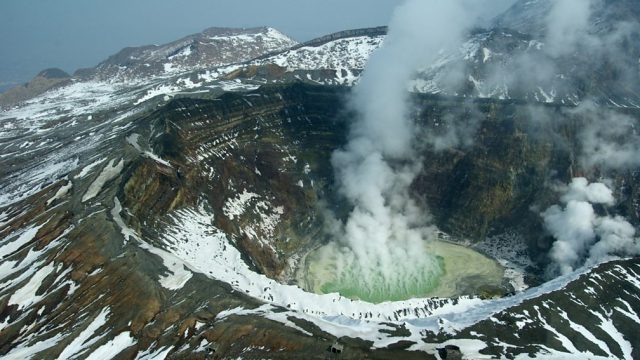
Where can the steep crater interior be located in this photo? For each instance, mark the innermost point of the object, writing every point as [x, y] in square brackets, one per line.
[260, 161]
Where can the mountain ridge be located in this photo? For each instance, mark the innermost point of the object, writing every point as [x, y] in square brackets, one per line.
[212, 47]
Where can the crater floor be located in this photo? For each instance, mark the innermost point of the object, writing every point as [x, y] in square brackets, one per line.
[460, 271]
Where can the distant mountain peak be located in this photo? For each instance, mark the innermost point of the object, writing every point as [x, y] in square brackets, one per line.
[213, 47]
[45, 80]
[53, 73]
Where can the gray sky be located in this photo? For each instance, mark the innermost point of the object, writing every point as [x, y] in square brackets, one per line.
[69, 34]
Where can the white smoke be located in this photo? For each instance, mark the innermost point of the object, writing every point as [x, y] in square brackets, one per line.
[582, 236]
[576, 43]
[455, 130]
[418, 32]
[385, 233]
[383, 239]
[567, 26]
[616, 236]
[609, 139]
[572, 227]
[571, 24]
[594, 193]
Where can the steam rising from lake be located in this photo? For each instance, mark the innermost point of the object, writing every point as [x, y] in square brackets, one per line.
[382, 243]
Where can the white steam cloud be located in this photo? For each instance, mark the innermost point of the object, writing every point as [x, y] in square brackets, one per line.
[582, 236]
[575, 42]
[609, 139]
[382, 242]
[567, 25]
[385, 233]
[595, 193]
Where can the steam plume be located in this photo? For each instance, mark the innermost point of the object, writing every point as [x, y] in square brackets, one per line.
[382, 240]
[582, 236]
[384, 236]
[609, 139]
[567, 24]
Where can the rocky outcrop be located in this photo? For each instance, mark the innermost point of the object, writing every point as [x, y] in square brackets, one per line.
[45, 80]
[368, 32]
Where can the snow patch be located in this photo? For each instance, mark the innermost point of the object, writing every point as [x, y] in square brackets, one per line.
[87, 169]
[8, 247]
[26, 295]
[62, 191]
[29, 352]
[108, 173]
[114, 347]
[235, 207]
[159, 354]
[84, 340]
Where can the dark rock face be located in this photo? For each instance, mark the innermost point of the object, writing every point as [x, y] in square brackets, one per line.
[246, 143]
[450, 352]
[259, 144]
[370, 32]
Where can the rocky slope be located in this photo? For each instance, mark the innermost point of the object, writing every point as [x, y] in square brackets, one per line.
[41, 83]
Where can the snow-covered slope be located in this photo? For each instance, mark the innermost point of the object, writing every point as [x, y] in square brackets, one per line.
[344, 53]
[212, 48]
[511, 60]
[225, 60]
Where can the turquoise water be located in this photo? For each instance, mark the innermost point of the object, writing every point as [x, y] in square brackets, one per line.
[444, 270]
[379, 288]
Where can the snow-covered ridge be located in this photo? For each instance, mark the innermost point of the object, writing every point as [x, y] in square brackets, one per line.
[184, 67]
[215, 59]
[344, 53]
[212, 48]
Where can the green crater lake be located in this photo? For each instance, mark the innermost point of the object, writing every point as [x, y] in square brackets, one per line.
[458, 270]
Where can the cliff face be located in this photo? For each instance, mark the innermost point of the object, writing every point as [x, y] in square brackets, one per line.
[506, 173]
[262, 162]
